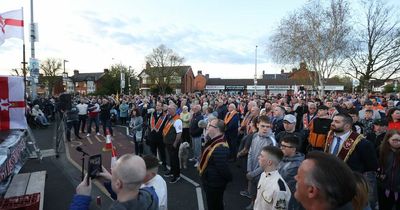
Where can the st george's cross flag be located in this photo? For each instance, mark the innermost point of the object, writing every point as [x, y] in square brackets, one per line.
[12, 103]
[11, 25]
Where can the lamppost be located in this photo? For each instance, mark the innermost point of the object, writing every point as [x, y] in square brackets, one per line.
[255, 72]
[65, 78]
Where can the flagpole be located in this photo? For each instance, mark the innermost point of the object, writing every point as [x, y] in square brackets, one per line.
[33, 39]
[23, 53]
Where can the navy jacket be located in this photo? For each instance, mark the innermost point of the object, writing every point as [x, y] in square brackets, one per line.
[217, 173]
[195, 131]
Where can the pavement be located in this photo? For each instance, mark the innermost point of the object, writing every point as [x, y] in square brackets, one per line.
[64, 173]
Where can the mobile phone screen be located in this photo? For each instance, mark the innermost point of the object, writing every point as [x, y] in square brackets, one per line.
[94, 166]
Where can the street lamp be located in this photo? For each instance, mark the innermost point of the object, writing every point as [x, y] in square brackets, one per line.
[255, 72]
[65, 77]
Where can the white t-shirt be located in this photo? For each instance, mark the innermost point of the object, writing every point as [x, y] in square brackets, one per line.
[178, 125]
[160, 186]
[82, 109]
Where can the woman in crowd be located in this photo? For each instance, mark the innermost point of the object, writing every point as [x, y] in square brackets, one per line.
[393, 117]
[136, 124]
[185, 117]
[389, 172]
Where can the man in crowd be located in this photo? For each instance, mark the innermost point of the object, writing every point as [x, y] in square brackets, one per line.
[353, 149]
[324, 183]
[93, 113]
[105, 116]
[221, 109]
[289, 165]
[195, 133]
[252, 112]
[272, 190]
[155, 140]
[126, 179]
[231, 121]
[264, 137]
[72, 122]
[213, 168]
[289, 123]
[172, 134]
[319, 128]
[152, 179]
[277, 123]
[83, 110]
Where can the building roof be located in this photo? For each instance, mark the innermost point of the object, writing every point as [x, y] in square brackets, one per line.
[182, 70]
[245, 82]
[87, 76]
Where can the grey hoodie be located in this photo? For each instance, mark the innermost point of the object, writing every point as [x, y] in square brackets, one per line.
[144, 201]
[288, 169]
[257, 144]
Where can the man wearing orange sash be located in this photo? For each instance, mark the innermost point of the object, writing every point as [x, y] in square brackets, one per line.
[353, 149]
[172, 134]
[155, 141]
[213, 168]
[231, 130]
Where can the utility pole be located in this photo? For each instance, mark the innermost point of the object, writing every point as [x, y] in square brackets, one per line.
[34, 77]
[255, 72]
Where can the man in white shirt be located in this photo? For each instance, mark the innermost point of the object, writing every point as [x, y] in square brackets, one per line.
[152, 179]
[272, 190]
[83, 109]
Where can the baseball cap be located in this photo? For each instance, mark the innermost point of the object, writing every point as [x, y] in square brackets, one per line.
[380, 122]
[290, 118]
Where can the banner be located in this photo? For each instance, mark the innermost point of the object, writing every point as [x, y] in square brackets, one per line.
[12, 103]
[11, 25]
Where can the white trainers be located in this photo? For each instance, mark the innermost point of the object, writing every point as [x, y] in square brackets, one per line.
[98, 134]
[192, 159]
[196, 164]
[88, 134]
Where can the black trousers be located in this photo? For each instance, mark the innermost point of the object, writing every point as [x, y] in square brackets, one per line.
[174, 159]
[388, 202]
[215, 198]
[70, 125]
[158, 144]
[82, 122]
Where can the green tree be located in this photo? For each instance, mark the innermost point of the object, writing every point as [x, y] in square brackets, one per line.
[111, 81]
[164, 65]
[50, 68]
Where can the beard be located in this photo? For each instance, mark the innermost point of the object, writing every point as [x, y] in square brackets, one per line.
[337, 130]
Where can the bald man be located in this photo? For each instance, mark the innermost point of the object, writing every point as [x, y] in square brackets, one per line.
[231, 122]
[126, 179]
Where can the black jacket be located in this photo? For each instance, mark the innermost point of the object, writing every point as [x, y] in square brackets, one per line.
[217, 173]
[195, 131]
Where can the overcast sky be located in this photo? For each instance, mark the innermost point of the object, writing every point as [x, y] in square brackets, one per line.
[215, 36]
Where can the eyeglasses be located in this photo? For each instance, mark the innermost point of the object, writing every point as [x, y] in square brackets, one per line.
[286, 146]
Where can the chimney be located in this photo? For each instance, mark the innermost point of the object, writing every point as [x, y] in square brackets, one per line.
[76, 73]
[147, 65]
[282, 71]
[263, 72]
[105, 71]
[303, 66]
[199, 72]
[207, 76]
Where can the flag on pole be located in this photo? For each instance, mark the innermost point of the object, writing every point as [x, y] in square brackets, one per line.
[11, 25]
[12, 103]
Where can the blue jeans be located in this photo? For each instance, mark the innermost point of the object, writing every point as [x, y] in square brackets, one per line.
[196, 141]
[94, 120]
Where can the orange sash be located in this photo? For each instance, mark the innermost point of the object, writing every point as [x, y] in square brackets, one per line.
[169, 124]
[229, 116]
[205, 157]
[348, 145]
[156, 126]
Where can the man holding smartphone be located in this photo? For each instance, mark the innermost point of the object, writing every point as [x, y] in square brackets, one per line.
[126, 178]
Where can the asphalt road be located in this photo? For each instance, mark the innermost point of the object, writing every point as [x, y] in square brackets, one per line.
[63, 173]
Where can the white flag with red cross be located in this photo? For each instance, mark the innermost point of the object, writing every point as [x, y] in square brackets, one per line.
[11, 25]
[12, 103]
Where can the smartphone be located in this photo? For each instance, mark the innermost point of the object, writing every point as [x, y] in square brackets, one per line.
[94, 166]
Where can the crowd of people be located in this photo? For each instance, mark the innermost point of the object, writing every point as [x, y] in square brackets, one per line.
[337, 151]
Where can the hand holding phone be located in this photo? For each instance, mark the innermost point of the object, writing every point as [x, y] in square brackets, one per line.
[94, 166]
